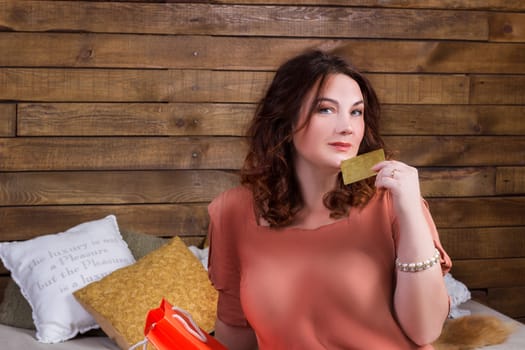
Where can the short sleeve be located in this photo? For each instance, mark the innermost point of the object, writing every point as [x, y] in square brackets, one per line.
[223, 263]
[446, 262]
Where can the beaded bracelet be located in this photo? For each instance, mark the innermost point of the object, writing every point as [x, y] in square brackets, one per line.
[419, 266]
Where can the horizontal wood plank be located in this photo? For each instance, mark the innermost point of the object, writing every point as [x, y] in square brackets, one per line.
[121, 153]
[218, 86]
[433, 56]
[452, 120]
[117, 187]
[127, 119]
[509, 27]
[510, 180]
[484, 242]
[225, 119]
[186, 18]
[457, 182]
[490, 273]
[509, 301]
[420, 89]
[24, 84]
[21, 223]
[114, 85]
[494, 5]
[252, 53]
[7, 120]
[478, 212]
[144, 153]
[228, 86]
[497, 89]
[459, 151]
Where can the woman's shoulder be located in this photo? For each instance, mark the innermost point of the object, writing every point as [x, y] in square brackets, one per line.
[233, 199]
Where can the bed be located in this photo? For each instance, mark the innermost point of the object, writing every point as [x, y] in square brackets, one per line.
[18, 338]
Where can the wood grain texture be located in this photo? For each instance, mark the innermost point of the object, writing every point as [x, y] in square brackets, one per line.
[509, 27]
[47, 84]
[20, 223]
[127, 119]
[493, 273]
[433, 56]
[252, 53]
[457, 182]
[510, 180]
[187, 18]
[118, 85]
[510, 301]
[113, 187]
[484, 242]
[499, 89]
[7, 120]
[121, 153]
[452, 120]
[458, 150]
[478, 212]
[228, 86]
[493, 5]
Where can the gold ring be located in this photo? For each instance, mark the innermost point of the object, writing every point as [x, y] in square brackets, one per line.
[393, 173]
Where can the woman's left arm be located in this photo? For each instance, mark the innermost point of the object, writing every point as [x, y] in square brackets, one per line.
[420, 299]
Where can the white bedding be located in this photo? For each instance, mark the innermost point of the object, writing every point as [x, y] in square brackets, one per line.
[12, 338]
[17, 338]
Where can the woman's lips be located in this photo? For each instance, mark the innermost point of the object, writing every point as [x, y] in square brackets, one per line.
[341, 146]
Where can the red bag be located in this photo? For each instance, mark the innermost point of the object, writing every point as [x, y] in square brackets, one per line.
[171, 328]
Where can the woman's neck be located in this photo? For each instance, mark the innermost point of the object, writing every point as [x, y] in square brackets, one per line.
[314, 185]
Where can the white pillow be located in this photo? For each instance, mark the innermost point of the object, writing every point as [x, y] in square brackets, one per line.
[48, 269]
[458, 293]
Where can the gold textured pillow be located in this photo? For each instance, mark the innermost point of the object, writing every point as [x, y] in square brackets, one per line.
[120, 301]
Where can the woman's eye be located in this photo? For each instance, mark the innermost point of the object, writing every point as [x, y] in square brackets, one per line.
[325, 110]
[356, 113]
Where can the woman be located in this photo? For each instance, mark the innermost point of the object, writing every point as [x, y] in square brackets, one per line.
[302, 261]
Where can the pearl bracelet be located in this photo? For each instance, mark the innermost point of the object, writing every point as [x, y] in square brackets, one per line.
[419, 266]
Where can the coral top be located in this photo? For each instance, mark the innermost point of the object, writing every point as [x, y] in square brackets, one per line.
[325, 288]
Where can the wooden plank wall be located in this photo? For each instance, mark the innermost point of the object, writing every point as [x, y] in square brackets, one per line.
[138, 109]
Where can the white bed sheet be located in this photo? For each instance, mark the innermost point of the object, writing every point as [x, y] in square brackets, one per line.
[17, 338]
[12, 338]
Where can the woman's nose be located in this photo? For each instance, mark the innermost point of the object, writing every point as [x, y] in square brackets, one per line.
[343, 126]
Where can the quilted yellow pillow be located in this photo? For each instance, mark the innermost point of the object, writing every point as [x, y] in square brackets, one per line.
[120, 301]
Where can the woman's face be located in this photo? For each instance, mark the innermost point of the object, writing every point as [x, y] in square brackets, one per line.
[336, 127]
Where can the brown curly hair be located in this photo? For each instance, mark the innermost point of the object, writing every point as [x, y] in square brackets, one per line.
[268, 169]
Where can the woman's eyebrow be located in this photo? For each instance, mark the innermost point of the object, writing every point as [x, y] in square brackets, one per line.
[321, 99]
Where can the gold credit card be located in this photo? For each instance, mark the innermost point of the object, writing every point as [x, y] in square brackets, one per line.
[359, 167]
